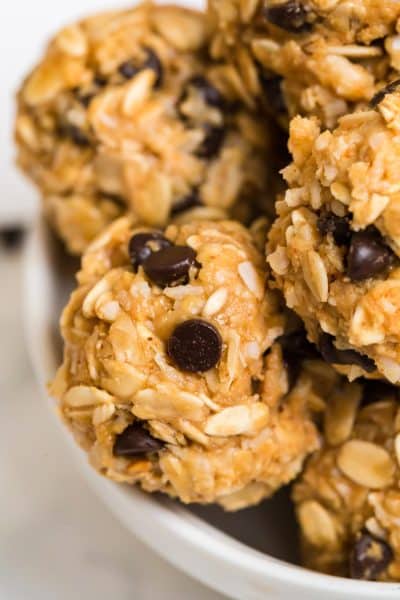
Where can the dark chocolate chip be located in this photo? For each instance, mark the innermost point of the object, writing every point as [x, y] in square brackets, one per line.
[376, 390]
[130, 68]
[370, 557]
[85, 95]
[75, 134]
[170, 266]
[368, 255]
[338, 227]
[135, 441]
[154, 63]
[190, 201]
[195, 346]
[11, 237]
[291, 16]
[212, 142]
[273, 94]
[388, 89]
[343, 357]
[211, 94]
[142, 245]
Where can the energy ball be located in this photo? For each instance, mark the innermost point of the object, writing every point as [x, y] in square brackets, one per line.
[126, 113]
[348, 498]
[334, 248]
[309, 57]
[165, 381]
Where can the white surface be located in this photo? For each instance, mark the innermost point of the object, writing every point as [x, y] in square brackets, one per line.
[187, 541]
[25, 27]
[24, 30]
[57, 540]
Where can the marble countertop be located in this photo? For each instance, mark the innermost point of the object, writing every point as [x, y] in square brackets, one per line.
[57, 541]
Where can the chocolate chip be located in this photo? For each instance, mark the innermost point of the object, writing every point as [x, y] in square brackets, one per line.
[11, 237]
[292, 16]
[272, 90]
[376, 390]
[212, 96]
[135, 441]
[343, 357]
[86, 94]
[154, 63]
[370, 557]
[368, 255]
[338, 227]
[130, 68]
[142, 245]
[212, 142]
[195, 346]
[189, 201]
[388, 89]
[75, 134]
[170, 266]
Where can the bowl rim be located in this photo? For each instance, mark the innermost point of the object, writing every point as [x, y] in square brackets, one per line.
[196, 534]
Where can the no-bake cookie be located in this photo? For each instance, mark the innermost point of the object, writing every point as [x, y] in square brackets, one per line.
[171, 378]
[310, 57]
[126, 112]
[348, 498]
[334, 249]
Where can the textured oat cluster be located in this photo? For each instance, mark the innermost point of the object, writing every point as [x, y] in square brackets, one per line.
[348, 498]
[335, 245]
[313, 57]
[232, 434]
[229, 334]
[126, 113]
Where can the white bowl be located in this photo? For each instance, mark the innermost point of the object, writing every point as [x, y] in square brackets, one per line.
[240, 554]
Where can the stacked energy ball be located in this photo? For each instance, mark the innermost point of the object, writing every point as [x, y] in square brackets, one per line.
[236, 320]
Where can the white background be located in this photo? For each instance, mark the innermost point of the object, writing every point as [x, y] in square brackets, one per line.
[57, 542]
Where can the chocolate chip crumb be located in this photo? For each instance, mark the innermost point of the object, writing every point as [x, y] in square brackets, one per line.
[291, 16]
[370, 557]
[136, 441]
[195, 346]
[338, 227]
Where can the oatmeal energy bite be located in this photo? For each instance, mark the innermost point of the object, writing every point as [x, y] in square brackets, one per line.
[309, 57]
[126, 113]
[348, 498]
[334, 248]
[164, 380]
